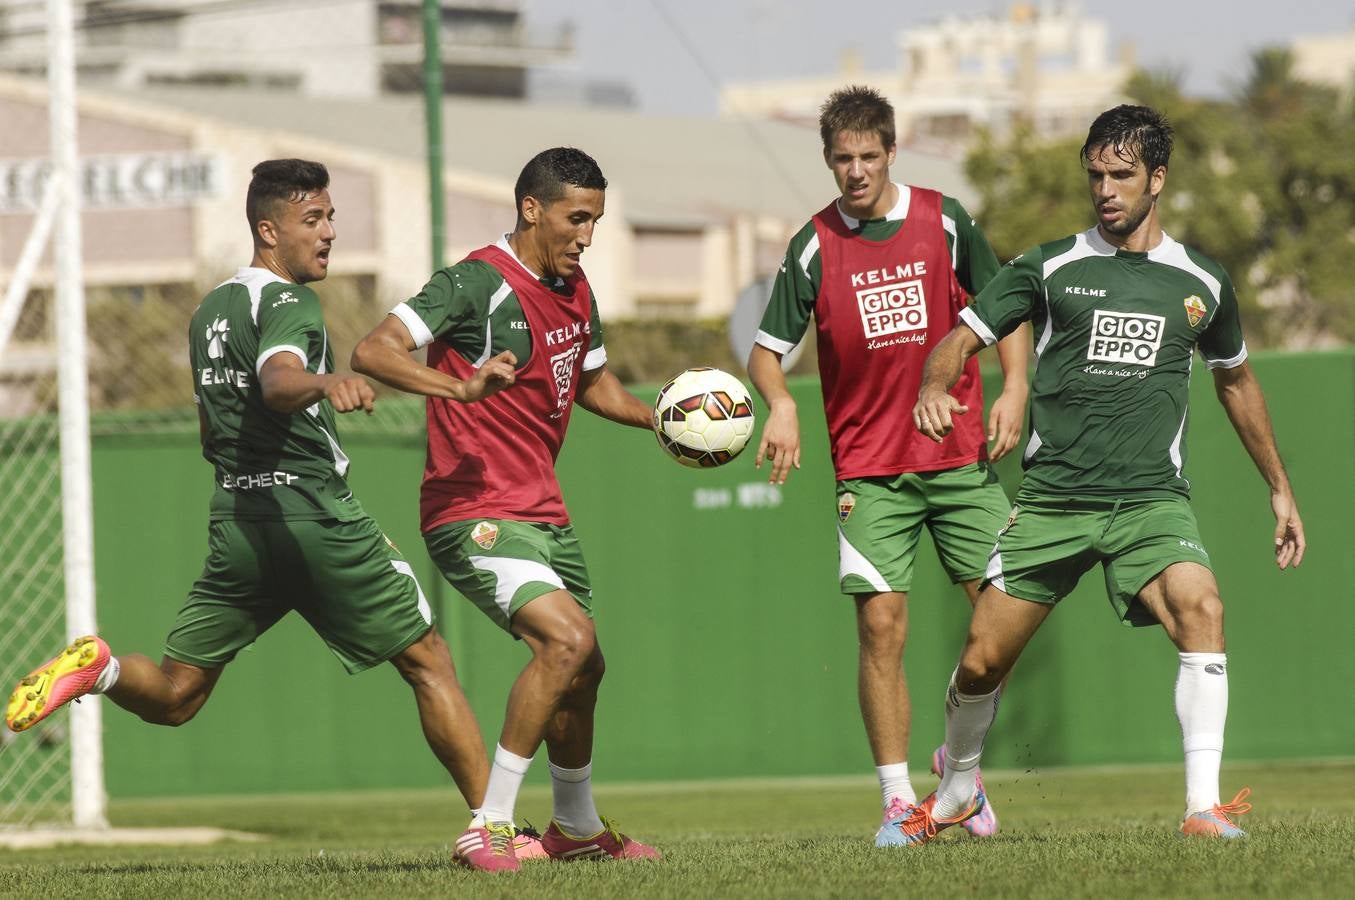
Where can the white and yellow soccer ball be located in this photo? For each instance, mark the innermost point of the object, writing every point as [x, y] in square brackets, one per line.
[703, 417]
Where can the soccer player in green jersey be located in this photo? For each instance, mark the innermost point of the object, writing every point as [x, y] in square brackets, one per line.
[285, 532]
[1119, 311]
[884, 271]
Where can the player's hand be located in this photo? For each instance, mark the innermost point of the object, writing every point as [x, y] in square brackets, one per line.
[496, 374]
[1004, 422]
[1289, 540]
[933, 411]
[780, 443]
[349, 393]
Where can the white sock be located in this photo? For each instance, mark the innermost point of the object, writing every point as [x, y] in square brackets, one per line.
[968, 718]
[1202, 708]
[477, 818]
[108, 677]
[505, 779]
[894, 783]
[573, 792]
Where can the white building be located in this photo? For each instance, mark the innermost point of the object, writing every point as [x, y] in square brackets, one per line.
[696, 208]
[1044, 64]
[345, 48]
[1326, 59]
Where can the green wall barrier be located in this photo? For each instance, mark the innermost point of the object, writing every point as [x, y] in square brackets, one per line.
[730, 652]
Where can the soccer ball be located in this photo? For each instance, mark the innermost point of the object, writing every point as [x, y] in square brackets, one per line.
[703, 417]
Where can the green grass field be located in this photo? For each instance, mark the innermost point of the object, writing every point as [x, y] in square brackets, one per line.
[1071, 833]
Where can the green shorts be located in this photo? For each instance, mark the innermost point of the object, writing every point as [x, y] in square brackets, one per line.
[880, 520]
[344, 578]
[1050, 542]
[501, 565]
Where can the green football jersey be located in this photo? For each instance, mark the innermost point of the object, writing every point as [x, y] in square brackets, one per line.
[1115, 335]
[269, 466]
[796, 288]
[471, 307]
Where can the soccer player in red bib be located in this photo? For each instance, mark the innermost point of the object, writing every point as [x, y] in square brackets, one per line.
[884, 271]
[514, 342]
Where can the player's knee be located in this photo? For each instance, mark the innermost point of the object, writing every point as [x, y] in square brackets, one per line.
[1201, 619]
[980, 671]
[881, 630]
[590, 676]
[425, 661]
[570, 648]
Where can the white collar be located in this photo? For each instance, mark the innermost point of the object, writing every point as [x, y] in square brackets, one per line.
[506, 247]
[1098, 243]
[249, 273]
[898, 213]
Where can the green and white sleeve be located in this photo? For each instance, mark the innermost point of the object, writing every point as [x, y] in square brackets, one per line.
[972, 256]
[794, 293]
[449, 298]
[596, 357]
[1222, 344]
[1008, 300]
[290, 320]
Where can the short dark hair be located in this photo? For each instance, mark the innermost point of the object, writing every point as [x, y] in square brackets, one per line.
[281, 180]
[858, 109]
[546, 174]
[1135, 132]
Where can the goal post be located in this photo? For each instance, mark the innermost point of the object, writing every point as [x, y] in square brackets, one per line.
[53, 774]
[88, 801]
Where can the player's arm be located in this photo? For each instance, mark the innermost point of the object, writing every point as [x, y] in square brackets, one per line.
[996, 313]
[385, 353]
[935, 407]
[975, 266]
[602, 394]
[794, 295]
[780, 442]
[291, 324]
[288, 388]
[1239, 392]
[1008, 412]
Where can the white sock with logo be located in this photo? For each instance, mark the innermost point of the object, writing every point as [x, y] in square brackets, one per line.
[894, 782]
[1202, 709]
[968, 718]
[505, 780]
[108, 677]
[574, 811]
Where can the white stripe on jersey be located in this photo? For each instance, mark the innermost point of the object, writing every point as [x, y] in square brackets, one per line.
[274, 351]
[971, 318]
[254, 281]
[1231, 362]
[1088, 243]
[772, 343]
[811, 250]
[495, 301]
[1171, 253]
[417, 329]
[949, 225]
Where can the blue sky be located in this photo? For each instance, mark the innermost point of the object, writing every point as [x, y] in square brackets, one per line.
[632, 41]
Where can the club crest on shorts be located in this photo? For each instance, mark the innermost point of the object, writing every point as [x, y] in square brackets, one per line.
[1195, 310]
[845, 504]
[485, 534]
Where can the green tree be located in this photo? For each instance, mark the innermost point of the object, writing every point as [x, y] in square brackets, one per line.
[1263, 182]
